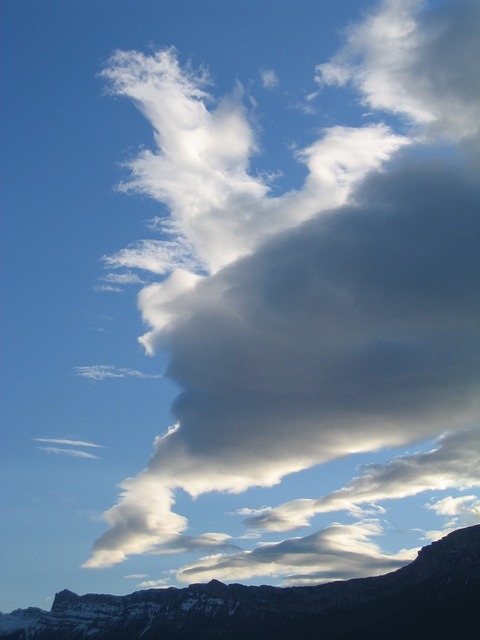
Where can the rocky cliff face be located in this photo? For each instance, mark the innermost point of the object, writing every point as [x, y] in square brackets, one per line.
[436, 596]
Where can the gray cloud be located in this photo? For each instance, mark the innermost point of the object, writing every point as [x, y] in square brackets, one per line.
[354, 331]
[316, 336]
[336, 553]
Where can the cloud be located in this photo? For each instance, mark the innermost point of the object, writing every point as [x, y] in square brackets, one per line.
[269, 79]
[337, 553]
[145, 523]
[76, 453]
[105, 371]
[107, 288]
[123, 278]
[455, 506]
[70, 443]
[421, 65]
[438, 469]
[154, 584]
[200, 167]
[69, 452]
[355, 331]
[336, 319]
[336, 163]
[461, 511]
[156, 256]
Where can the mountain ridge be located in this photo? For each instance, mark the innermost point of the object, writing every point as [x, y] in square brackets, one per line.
[435, 596]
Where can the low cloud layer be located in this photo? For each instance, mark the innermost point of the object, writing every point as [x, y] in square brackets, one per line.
[336, 319]
[336, 553]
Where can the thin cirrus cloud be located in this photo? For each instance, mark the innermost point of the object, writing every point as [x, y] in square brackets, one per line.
[74, 452]
[101, 372]
[269, 79]
[70, 443]
[115, 281]
[336, 319]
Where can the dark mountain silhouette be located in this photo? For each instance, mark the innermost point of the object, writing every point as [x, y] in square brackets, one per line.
[436, 597]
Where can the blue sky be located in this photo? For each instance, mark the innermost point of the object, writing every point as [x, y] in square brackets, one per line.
[240, 285]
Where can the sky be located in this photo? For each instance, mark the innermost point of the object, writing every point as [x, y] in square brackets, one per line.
[240, 287]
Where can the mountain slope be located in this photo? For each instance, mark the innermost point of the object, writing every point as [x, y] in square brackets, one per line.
[436, 596]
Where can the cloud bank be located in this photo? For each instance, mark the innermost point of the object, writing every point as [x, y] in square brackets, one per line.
[336, 319]
[335, 553]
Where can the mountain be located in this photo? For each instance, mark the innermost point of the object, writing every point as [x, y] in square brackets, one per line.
[436, 597]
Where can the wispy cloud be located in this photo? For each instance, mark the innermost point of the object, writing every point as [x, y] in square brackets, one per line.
[107, 288]
[123, 278]
[269, 79]
[106, 371]
[76, 453]
[70, 443]
[404, 476]
[157, 256]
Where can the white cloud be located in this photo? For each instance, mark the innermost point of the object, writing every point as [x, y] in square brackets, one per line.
[69, 452]
[123, 278]
[156, 256]
[70, 443]
[269, 79]
[144, 520]
[337, 162]
[199, 169]
[438, 469]
[339, 318]
[105, 371]
[154, 584]
[218, 211]
[107, 288]
[144, 523]
[420, 65]
[461, 511]
[337, 553]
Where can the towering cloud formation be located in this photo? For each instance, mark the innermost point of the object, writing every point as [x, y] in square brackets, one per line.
[339, 318]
